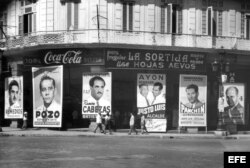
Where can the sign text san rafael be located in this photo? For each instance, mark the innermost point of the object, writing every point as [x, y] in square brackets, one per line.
[140, 59]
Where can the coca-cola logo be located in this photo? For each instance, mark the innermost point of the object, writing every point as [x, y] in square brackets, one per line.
[70, 57]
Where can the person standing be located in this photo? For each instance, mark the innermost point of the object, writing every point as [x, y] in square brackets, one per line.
[98, 122]
[143, 124]
[132, 124]
[107, 123]
[25, 118]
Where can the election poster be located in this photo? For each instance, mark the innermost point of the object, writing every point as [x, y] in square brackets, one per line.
[151, 100]
[13, 108]
[47, 96]
[96, 94]
[193, 101]
[234, 103]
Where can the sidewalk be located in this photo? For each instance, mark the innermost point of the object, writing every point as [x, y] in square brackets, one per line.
[84, 132]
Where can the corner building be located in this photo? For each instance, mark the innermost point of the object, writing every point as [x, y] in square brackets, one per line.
[128, 37]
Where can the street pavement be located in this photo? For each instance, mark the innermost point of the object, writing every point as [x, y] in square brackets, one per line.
[121, 152]
[85, 132]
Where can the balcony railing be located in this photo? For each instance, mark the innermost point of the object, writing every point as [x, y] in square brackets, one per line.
[121, 37]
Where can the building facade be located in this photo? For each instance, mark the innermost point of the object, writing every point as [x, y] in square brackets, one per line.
[127, 38]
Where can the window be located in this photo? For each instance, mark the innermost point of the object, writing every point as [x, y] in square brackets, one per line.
[209, 21]
[27, 23]
[127, 16]
[25, 2]
[174, 18]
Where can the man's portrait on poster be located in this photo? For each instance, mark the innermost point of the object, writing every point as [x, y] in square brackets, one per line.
[143, 97]
[97, 88]
[14, 94]
[47, 88]
[234, 111]
[192, 92]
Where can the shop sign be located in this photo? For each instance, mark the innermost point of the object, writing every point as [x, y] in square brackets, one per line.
[155, 60]
[63, 57]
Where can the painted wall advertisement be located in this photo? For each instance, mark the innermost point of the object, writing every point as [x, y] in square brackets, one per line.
[13, 108]
[96, 94]
[151, 101]
[148, 59]
[234, 103]
[65, 56]
[193, 101]
[47, 96]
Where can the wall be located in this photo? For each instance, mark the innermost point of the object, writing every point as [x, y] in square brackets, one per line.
[51, 15]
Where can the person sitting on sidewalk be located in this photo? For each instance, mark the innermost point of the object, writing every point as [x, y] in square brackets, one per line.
[98, 122]
[132, 124]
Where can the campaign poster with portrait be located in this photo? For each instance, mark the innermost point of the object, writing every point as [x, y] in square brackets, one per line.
[96, 94]
[47, 96]
[193, 101]
[13, 108]
[234, 103]
[151, 100]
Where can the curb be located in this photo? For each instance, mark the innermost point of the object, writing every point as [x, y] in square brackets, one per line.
[167, 136]
[84, 133]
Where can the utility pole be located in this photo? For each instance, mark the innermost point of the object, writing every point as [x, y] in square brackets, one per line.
[1, 55]
[98, 23]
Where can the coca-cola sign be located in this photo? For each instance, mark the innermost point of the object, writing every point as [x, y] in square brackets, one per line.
[65, 56]
[70, 57]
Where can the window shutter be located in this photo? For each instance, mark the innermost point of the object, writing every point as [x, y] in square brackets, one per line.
[76, 16]
[248, 27]
[242, 25]
[124, 17]
[232, 22]
[130, 16]
[163, 19]
[204, 21]
[180, 20]
[29, 23]
[215, 24]
[69, 15]
[169, 18]
[219, 23]
[20, 24]
[209, 31]
[34, 22]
